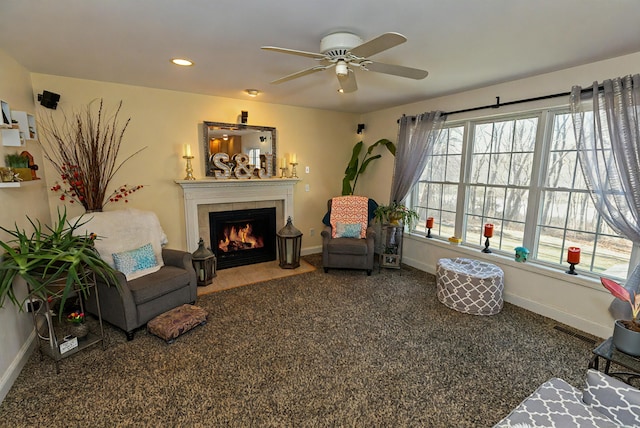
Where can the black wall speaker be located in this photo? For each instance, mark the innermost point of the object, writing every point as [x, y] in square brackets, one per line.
[245, 116]
[49, 99]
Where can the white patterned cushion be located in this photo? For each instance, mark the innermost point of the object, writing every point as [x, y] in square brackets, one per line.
[470, 286]
[613, 398]
[555, 404]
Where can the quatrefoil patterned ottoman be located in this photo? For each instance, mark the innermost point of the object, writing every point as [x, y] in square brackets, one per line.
[470, 286]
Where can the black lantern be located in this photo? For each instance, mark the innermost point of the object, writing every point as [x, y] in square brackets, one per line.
[289, 243]
[204, 262]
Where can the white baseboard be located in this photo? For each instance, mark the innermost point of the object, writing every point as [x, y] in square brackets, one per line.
[11, 374]
[311, 250]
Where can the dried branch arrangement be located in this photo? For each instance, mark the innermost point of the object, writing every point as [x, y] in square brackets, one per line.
[83, 148]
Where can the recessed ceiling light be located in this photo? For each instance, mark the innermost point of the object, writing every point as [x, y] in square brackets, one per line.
[182, 61]
[252, 92]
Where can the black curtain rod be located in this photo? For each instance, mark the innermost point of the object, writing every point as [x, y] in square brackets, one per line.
[498, 104]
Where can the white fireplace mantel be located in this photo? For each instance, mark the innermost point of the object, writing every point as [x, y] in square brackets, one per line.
[213, 191]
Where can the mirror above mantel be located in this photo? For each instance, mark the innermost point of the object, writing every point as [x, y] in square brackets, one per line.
[233, 138]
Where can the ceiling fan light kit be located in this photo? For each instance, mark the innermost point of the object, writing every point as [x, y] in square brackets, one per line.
[346, 51]
[341, 68]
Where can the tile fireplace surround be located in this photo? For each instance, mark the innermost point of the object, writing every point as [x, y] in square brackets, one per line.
[210, 195]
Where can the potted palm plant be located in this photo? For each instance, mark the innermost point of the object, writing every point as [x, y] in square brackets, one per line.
[53, 261]
[626, 333]
[355, 168]
[395, 214]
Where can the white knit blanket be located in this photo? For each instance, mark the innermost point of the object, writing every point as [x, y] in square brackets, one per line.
[123, 230]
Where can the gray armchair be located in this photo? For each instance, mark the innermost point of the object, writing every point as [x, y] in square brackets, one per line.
[348, 253]
[142, 299]
[156, 279]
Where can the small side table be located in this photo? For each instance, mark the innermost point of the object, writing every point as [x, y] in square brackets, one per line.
[608, 352]
[391, 250]
[51, 339]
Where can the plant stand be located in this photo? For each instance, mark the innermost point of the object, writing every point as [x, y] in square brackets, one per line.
[391, 246]
[52, 340]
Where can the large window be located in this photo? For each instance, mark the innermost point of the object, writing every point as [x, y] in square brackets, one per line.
[437, 190]
[498, 183]
[521, 174]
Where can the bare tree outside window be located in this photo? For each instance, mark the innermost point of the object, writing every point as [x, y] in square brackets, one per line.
[508, 165]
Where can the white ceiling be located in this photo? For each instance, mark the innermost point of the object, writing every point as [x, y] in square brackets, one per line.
[464, 44]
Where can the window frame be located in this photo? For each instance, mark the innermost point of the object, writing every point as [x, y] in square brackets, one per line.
[536, 188]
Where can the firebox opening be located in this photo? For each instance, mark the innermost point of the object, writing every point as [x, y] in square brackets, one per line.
[243, 237]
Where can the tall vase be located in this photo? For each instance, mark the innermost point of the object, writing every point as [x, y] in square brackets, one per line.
[625, 340]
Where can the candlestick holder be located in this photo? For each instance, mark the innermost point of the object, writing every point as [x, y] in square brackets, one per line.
[572, 269]
[294, 174]
[486, 246]
[429, 232]
[189, 168]
[283, 174]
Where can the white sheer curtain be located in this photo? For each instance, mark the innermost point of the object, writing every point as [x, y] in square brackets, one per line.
[416, 136]
[608, 140]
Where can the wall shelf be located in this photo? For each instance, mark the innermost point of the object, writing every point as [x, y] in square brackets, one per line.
[13, 184]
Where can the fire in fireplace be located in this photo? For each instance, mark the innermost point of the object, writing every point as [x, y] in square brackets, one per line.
[243, 237]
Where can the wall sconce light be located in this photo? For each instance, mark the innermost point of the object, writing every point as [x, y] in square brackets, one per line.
[360, 128]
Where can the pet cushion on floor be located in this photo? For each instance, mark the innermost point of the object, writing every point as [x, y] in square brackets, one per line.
[171, 324]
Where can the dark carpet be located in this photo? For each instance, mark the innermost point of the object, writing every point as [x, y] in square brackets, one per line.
[312, 350]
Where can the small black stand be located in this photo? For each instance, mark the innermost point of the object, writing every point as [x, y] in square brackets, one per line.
[572, 269]
[429, 233]
[486, 246]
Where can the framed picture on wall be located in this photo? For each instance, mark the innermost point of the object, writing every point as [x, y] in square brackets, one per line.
[6, 114]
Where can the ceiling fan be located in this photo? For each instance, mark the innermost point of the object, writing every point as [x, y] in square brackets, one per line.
[346, 52]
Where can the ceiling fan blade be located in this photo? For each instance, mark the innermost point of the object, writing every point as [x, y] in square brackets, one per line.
[294, 52]
[299, 74]
[381, 43]
[348, 82]
[397, 70]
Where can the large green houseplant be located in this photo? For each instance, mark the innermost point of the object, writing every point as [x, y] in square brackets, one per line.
[395, 214]
[355, 167]
[51, 260]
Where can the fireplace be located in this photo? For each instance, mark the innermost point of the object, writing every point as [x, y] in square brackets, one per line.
[242, 237]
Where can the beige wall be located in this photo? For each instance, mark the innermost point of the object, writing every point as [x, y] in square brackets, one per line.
[16, 203]
[166, 120]
[577, 301]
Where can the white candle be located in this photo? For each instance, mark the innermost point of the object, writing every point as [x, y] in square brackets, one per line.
[283, 162]
[187, 149]
[293, 158]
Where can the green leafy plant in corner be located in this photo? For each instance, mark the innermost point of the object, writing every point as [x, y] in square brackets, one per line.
[355, 168]
[51, 260]
[395, 214]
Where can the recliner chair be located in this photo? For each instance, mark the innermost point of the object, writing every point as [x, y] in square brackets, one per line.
[342, 249]
[145, 292]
